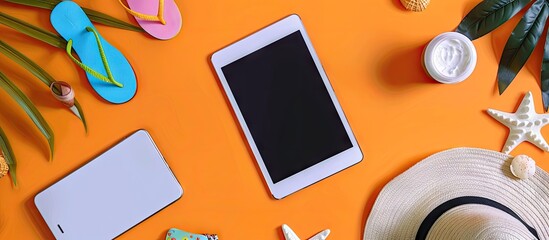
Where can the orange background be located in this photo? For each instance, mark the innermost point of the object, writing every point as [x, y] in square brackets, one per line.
[371, 51]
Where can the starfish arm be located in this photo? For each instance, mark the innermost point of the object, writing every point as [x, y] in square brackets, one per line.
[537, 139]
[544, 118]
[507, 119]
[527, 105]
[289, 234]
[513, 140]
[321, 235]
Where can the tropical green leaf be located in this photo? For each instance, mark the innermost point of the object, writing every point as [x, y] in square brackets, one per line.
[5, 148]
[24, 61]
[105, 19]
[521, 43]
[30, 109]
[81, 112]
[94, 16]
[488, 15]
[33, 31]
[545, 75]
[37, 71]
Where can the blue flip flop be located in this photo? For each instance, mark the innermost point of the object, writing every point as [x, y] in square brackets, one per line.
[108, 71]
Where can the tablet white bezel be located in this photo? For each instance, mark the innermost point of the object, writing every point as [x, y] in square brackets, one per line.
[318, 171]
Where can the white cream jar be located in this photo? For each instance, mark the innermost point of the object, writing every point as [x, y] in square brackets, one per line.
[450, 58]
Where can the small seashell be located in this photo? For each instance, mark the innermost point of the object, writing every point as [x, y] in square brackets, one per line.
[63, 92]
[415, 5]
[523, 167]
[3, 166]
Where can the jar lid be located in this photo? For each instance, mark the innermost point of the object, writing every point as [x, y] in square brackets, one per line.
[450, 57]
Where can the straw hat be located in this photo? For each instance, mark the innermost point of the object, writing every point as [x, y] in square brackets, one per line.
[462, 193]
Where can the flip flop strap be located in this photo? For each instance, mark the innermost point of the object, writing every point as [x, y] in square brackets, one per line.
[109, 78]
[159, 17]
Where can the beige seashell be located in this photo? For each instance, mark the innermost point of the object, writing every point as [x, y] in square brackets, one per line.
[415, 5]
[66, 94]
[523, 167]
[3, 166]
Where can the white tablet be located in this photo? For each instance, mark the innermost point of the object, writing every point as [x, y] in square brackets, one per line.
[110, 194]
[286, 107]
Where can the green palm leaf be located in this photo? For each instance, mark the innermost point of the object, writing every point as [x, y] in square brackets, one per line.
[94, 16]
[545, 75]
[5, 148]
[488, 15]
[30, 109]
[105, 19]
[37, 71]
[522, 42]
[33, 31]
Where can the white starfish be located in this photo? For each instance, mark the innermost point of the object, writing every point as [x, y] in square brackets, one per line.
[524, 125]
[290, 235]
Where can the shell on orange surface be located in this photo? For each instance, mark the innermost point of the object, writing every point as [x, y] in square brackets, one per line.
[3, 166]
[415, 5]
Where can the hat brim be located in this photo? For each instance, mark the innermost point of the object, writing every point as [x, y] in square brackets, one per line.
[404, 202]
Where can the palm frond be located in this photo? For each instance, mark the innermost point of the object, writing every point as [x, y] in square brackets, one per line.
[94, 16]
[37, 71]
[33, 31]
[30, 109]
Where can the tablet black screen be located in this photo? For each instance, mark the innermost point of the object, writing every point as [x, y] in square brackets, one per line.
[287, 107]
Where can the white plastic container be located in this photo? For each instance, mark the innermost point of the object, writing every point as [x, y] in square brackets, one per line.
[450, 58]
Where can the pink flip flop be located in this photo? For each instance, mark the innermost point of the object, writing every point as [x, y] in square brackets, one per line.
[160, 18]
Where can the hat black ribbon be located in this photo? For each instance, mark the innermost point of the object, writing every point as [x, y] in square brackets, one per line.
[441, 209]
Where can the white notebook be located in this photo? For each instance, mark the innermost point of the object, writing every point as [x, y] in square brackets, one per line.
[112, 193]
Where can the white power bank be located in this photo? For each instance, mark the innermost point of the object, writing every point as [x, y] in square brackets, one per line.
[110, 194]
